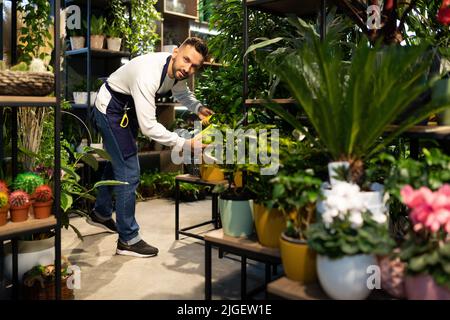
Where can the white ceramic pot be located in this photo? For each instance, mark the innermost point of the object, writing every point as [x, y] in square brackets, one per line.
[114, 43]
[31, 253]
[80, 97]
[332, 166]
[77, 42]
[345, 278]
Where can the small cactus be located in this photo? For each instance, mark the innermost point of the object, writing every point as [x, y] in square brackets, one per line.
[43, 193]
[28, 182]
[3, 199]
[18, 199]
[3, 186]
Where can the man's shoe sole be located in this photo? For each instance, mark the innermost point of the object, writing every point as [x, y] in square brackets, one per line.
[134, 254]
[99, 225]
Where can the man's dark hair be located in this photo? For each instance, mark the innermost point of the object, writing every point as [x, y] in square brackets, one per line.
[198, 44]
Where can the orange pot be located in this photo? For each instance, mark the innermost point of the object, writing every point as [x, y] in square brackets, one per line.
[42, 210]
[4, 215]
[19, 214]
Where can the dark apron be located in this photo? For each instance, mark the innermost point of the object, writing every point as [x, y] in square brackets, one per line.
[126, 137]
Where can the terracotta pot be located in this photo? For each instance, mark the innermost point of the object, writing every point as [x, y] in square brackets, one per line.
[423, 287]
[97, 41]
[4, 215]
[269, 225]
[77, 42]
[42, 210]
[20, 214]
[392, 276]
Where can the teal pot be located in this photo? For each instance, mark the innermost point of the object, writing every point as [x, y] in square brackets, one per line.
[441, 91]
[237, 217]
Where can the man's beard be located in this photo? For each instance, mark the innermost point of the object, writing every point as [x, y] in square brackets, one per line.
[174, 71]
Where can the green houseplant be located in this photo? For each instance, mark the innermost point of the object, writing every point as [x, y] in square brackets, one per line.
[118, 25]
[28, 182]
[350, 104]
[98, 25]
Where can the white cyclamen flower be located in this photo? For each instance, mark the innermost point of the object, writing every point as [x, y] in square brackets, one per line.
[356, 219]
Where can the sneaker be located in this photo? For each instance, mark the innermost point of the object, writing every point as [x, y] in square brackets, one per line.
[108, 225]
[140, 249]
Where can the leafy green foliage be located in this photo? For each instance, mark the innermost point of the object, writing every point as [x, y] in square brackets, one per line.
[98, 25]
[141, 38]
[117, 22]
[340, 239]
[350, 104]
[35, 34]
[28, 182]
[428, 253]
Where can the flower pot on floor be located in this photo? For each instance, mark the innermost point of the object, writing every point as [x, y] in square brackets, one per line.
[42, 210]
[114, 43]
[31, 253]
[236, 216]
[345, 278]
[20, 214]
[299, 261]
[4, 215]
[97, 41]
[423, 287]
[269, 225]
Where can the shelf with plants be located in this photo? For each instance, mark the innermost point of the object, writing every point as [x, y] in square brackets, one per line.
[38, 37]
[179, 8]
[282, 7]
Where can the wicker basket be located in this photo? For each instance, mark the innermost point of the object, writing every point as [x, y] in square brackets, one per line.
[24, 83]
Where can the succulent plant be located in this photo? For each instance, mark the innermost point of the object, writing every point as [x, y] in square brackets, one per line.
[28, 182]
[3, 186]
[43, 193]
[18, 199]
[3, 199]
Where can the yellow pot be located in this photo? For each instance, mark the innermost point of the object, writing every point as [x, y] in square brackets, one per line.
[238, 179]
[269, 225]
[211, 173]
[299, 261]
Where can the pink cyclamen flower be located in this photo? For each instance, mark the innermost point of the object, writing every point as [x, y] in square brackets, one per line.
[443, 15]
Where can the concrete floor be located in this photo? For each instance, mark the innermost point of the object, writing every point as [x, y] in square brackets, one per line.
[176, 273]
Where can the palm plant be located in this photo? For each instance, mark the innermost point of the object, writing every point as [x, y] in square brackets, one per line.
[350, 104]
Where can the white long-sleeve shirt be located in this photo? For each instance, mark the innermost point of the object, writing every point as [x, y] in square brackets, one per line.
[141, 78]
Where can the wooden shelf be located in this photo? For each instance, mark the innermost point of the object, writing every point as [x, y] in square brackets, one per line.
[217, 236]
[104, 53]
[294, 290]
[262, 101]
[435, 132]
[212, 64]
[27, 101]
[168, 104]
[12, 229]
[194, 179]
[179, 14]
[282, 7]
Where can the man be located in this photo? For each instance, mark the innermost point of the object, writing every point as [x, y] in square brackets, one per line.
[126, 103]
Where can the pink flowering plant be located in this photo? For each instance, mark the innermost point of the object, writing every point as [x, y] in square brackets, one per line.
[349, 225]
[427, 247]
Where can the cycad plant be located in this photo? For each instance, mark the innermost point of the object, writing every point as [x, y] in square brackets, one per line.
[350, 104]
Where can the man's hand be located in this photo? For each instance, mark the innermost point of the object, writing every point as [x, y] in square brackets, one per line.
[194, 143]
[204, 112]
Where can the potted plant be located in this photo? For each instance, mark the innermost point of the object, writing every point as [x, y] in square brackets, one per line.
[346, 239]
[113, 37]
[97, 29]
[43, 201]
[77, 39]
[28, 182]
[4, 208]
[426, 250]
[19, 202]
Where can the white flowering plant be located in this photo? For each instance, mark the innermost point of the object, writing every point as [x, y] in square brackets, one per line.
[349, 225]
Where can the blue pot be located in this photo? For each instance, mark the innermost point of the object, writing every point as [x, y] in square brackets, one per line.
[237, 217]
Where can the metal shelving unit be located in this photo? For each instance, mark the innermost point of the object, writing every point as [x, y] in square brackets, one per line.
[12, 231]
